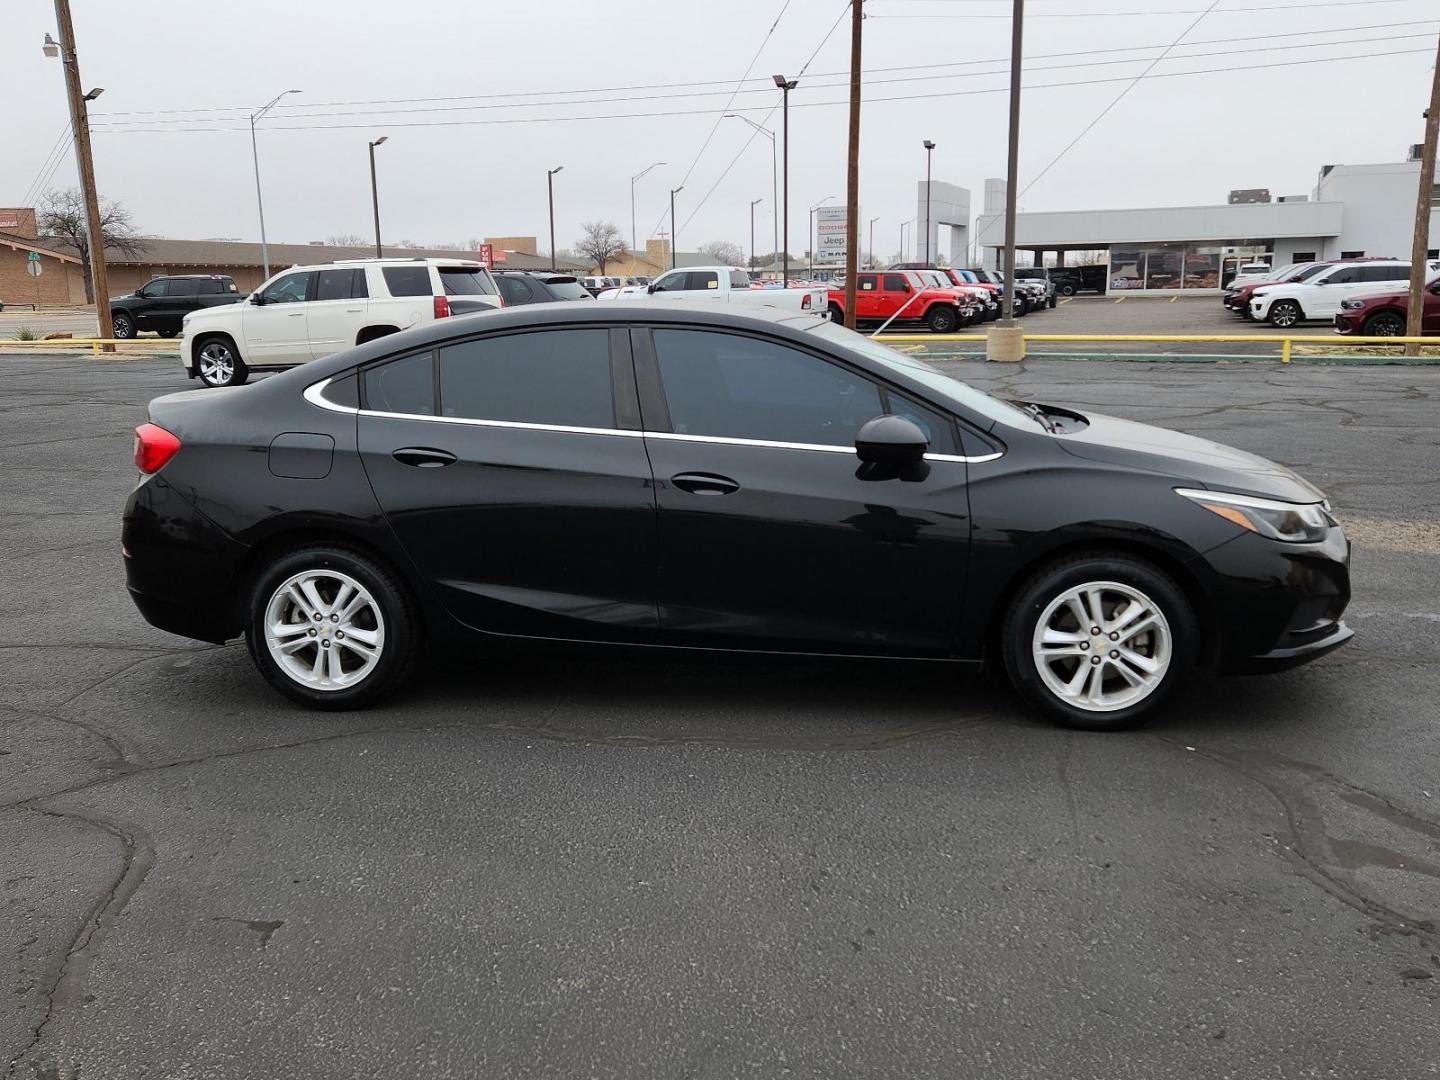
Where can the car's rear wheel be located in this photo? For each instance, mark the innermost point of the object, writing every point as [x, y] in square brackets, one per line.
[942, 320]
[1099, 641]
[331, 628]
[122, 326]
[218, 364]
[167, 333]
[1285, 314]
[1067, 290]
[1385, 324]
[836, 315]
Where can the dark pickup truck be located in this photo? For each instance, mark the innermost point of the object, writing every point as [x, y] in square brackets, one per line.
[162, 303]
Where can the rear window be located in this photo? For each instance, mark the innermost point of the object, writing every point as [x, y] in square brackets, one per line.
[407, 280]
[568, 289]
[739, 279]
[467, 281]
[209, 286]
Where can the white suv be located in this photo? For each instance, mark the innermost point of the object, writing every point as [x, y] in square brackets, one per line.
[1318, 298]
[308, 312]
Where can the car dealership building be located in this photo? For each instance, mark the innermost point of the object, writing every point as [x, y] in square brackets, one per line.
[1353, 211]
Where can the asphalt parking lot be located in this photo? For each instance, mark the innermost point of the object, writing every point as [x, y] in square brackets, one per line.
[634, 866]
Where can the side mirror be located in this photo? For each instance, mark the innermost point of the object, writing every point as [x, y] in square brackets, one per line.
[891, 440]
[257, 299]
[650, 288]
[904, 286]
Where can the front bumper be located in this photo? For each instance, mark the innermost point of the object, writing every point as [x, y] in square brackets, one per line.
[1276, 604]
[1348, 322]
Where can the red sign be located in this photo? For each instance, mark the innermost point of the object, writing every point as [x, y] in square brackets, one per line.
[487, 256]
[499, 255]
[9, 221]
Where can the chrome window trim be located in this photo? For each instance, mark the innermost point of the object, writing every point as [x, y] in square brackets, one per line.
[315, 391]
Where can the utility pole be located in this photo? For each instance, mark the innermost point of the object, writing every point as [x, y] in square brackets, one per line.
[852, 173]
[1424, 207]
[255, 118]
[786, 85]
[1006, 342]
[752, 231]
[375, 195]
[872, 241]
[550, 188]
[80, 125]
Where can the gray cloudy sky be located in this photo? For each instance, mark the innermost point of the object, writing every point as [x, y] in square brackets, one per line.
[1171, 141]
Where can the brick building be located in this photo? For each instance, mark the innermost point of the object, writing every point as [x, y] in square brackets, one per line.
[60, 281]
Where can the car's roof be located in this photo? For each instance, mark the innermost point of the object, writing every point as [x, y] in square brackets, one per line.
[392, 261]
[552, 316]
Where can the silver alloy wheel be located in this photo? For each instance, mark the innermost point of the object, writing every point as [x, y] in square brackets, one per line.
[122, 327]
[217, 364]
[1102, 646]
[324, 630]
[1284, 315]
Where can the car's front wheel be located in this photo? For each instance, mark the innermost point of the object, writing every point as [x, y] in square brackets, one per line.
[1385, 324]
[218, 364]
[942, 320]
[1099, 641]
[122, 326]
[331, 628]
[1285, 314]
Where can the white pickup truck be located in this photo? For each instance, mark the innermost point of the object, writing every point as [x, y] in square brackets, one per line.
[726, 284]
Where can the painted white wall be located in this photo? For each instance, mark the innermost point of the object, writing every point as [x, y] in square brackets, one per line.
[1100, 228]
[1379, 203]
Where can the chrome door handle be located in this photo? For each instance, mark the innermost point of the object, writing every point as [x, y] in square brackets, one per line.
[294, 314]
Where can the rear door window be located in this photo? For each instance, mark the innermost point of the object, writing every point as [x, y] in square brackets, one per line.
[404, 386]
[557, 377]
[407, 280]
[337, 284]
[183, 287]
[467, 281]
[894, 283]
[209, 286]
[702, 281]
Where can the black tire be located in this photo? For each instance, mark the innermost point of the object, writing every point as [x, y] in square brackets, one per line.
[1049, 583]
[1067, 290]
[1021, 307]
[122, 326]
[400, 627]
[1385, 324]
[167, 333]
[1054, 300]
[942, 319]
[218, 362]
[836, 315]
[1284, 314]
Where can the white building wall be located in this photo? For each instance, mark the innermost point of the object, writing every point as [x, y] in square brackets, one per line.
[1101, 228]
[1379, 203]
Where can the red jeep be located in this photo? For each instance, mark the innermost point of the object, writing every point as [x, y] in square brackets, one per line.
[879, 294]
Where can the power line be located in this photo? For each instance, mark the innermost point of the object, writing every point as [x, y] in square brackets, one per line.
[37, 185]
[1173, 11]
[1120, 97]
[590, 92]
[122, 129]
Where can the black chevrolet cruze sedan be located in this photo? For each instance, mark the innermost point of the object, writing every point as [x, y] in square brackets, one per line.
[677, 476]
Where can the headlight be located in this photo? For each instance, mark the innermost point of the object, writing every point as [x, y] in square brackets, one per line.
[1296, 523]
[1258, 293]
[1352, 305]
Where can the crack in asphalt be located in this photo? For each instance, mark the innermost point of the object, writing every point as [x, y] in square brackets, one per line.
[1309, 846]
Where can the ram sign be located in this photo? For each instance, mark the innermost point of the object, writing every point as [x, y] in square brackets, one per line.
[830, 223]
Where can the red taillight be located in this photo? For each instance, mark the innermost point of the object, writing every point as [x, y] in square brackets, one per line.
[805, 302]
[442, 307]
[154, 446]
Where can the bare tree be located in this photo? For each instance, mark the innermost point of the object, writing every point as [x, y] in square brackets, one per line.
[62, 215]
[601, 243]
[724, 251]
[348, 240]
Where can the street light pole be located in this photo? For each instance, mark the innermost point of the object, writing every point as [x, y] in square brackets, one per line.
[634, 241]
[375, 195]
[673, 193]
[929, 150]
[786, 85]
[255, 154]
[903, 226]
[774, 181]
[550, 188]
[84, 163]
[872, 242]
[752, 231]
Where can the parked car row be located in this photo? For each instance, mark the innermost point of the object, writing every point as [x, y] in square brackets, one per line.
[942, 299]
[1360, 296]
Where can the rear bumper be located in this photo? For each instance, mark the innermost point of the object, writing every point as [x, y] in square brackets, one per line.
[180, 568]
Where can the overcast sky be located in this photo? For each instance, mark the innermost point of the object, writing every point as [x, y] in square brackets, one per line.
[1171, 141]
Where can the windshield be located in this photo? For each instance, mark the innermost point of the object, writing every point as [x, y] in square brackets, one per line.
[467, 281]
[943, 386]
[1310, 271]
